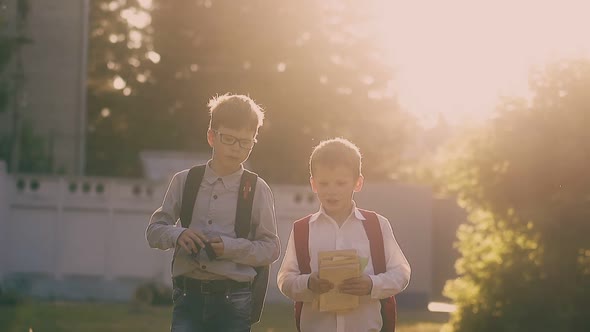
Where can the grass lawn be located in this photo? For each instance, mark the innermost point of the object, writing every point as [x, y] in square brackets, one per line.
[103, 317]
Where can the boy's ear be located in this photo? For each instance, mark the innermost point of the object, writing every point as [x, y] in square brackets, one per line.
[210, 137]
[312, 182]
[359, 184]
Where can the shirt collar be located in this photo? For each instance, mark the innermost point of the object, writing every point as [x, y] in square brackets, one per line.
[229, 181]
[322, 213]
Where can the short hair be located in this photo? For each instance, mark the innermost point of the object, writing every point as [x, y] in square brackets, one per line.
[336, 152]
[235, 112]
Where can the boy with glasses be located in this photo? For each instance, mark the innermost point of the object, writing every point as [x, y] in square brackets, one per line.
[212, 287]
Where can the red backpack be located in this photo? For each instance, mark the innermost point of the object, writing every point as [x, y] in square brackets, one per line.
[373, 230]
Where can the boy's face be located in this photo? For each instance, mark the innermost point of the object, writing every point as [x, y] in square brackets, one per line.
[231, 147]
[335, 187]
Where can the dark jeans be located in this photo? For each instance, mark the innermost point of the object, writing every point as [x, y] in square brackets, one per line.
[223, 312]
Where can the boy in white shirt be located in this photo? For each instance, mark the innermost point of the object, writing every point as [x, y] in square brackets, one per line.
[335, 167]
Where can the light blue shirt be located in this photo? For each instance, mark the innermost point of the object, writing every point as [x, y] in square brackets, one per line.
[214, 215]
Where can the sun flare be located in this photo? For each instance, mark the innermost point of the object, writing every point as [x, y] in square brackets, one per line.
[456, 57]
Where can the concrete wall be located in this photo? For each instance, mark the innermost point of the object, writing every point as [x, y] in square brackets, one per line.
[80, 237]
[83, 238]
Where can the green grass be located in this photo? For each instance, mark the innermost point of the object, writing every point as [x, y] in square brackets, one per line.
[107, 317]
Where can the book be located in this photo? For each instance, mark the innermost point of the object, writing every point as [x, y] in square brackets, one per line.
[337, 266]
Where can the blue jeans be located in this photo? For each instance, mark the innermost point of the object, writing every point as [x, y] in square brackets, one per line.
[223, 312]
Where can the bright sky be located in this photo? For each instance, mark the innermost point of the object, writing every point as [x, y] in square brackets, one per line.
[457, 56]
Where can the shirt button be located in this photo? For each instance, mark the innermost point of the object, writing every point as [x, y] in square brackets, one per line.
[204, 267]
[210, 222]
[214, 196]
[219, 179]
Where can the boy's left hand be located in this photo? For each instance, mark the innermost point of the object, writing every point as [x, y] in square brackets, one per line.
[357, 286]
[217, 245]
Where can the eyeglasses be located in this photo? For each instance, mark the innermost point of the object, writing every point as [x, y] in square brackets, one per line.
[231, 140]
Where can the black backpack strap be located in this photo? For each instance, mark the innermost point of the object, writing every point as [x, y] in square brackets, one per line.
[243, 223]
[189, 194]
[243, 226]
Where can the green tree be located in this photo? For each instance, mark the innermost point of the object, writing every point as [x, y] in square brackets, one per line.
[121, 57]
[314, 66]
[525, 262]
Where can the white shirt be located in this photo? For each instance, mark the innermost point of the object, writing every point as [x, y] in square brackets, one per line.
[325, 234]
[214, 215]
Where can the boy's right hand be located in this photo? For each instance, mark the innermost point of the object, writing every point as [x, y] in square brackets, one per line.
[317, 285]
[191, 241]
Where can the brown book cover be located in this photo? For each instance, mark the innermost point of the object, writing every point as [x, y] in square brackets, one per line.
[337, 266]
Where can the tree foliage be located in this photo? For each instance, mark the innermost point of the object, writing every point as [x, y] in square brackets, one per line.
[525, 262]
[314, 66]
[121, 57]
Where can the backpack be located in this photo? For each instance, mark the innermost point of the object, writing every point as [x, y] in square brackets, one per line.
[242, 225]
[373, 230]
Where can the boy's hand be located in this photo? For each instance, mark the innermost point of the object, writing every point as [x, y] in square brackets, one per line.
[357, 286]
[317, 285]
[191, 241]
[217, 245]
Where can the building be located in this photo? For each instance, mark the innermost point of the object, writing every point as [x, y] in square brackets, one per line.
[53, 90]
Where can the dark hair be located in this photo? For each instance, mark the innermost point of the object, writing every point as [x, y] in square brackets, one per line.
[235, 112]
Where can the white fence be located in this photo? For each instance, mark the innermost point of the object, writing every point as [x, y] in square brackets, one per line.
[83, 238]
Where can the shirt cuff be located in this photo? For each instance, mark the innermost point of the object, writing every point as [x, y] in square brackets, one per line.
[175, 234]
[375, 289]
[301, 284]
[230, 247]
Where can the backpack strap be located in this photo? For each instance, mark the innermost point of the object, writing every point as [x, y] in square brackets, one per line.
[301, 238]
[243, 223]
[245, 199]
[243, 227]
[189, 194]
[373, 230]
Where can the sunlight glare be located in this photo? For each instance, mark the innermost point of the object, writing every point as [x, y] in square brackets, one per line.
[441, 307]
[119, 83]
[153, 56]
[113, 5]
[136, 18]
[135, 38]
[146, 4]
[456, 57]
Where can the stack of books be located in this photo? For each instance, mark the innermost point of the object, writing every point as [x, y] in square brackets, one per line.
[337, 266]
